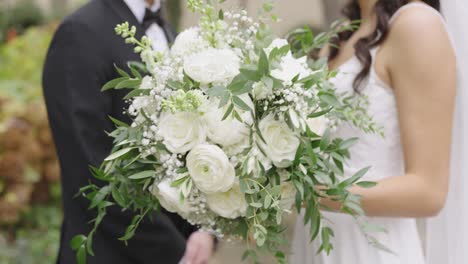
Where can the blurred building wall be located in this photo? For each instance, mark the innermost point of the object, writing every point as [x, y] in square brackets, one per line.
[293, 13]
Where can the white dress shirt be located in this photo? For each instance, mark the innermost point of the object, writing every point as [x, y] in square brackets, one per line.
[155, 33]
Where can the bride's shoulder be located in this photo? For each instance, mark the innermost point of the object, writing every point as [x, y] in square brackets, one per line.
[416, 22]
[419, 28]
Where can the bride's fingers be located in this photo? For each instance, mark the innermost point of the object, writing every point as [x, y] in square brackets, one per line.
[190, 253]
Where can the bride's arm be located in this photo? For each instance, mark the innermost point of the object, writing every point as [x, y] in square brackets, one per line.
[422, 69]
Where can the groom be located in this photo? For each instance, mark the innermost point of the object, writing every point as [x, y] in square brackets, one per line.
[79, 62]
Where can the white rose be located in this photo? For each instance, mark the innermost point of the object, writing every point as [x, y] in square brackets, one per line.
[230, 131]
[212, 66]
[181, 131]
[169, 198]
[318, 125]
[189, 41]
[210, 169]
[290, 67]
[281, 142]
[230, 204]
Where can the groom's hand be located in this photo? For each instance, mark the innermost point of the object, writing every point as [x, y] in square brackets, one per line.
[200, 247]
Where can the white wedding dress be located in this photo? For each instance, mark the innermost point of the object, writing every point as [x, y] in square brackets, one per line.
[385, 155]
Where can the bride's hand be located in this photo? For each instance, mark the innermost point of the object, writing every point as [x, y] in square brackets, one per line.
[200, 247]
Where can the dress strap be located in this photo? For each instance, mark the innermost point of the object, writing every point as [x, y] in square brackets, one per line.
[414, 5]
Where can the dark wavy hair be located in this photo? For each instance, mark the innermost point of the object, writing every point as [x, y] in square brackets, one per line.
[384, 10]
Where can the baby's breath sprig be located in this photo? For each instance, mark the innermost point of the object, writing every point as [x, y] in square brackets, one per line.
[128, 33]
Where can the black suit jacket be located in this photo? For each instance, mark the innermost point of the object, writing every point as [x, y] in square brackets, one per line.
[79, 62]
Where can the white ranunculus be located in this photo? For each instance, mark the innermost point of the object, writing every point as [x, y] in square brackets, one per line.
[230, 204]
[181, 131]
[169, 198]
[212, 66]
[189, 41]
[281, 142]
[210, 169]
[290, 67]
[318, 125]
[230, 131]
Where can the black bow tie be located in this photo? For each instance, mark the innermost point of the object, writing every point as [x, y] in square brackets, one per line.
[151, 18]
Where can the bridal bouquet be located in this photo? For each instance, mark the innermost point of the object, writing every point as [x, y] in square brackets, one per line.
[231, 131]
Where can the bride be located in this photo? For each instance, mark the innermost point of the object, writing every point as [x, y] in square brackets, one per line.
[402, 59]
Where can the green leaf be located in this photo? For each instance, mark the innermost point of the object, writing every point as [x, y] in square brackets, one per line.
[130, 83]
[100, 196]
[217, 91]
[245, 88]
[77, 242]
[367, 184]
[129, 233]
[330, 99]
[326, 138]
[240, 103]
[251, 74]
[263, 64]
[221, 14]
[113, 83]
[118, 122]
[118, 154]
[256, 205]
[346, 144]
[299, 188]
[137, 92]
[179, 182]
[81, 255]
[321, 113]
[267, 202]
[224, 100]
[121, 72]
[228, 112]
[139, 66]
[118, 197]
[89, 245]
[142, 175]
[134, 71]
[356, 177]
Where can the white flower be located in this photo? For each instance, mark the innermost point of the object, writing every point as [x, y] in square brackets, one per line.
[277, 43]
[261, 90]
[281, 142]
[288, 196]
[181, 131]
[210, 169]
[230, 131]
[230, 204]
[212, 66]
[147, 83]
[290, 67]
[288, 191]
[318, 125]
[188, 41]
[170, 198]
[237, 148]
